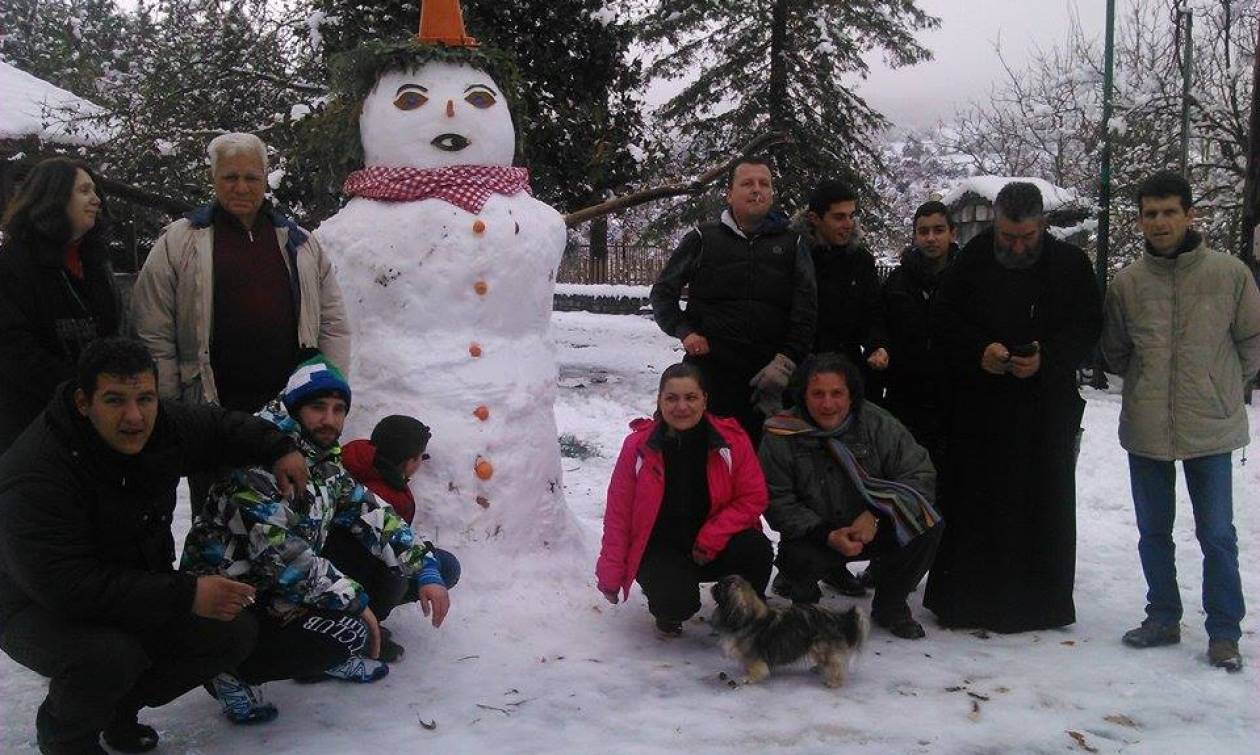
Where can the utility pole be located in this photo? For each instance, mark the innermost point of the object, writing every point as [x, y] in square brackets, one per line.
[1098, 379]
[1187, 68]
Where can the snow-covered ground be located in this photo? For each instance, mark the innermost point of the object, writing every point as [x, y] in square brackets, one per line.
[533, 660]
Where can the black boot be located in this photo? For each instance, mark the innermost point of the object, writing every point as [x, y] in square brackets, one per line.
[391, 652]
[130, 736]
[47, 728]
[843, 582]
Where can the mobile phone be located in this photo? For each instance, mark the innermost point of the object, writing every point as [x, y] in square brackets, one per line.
[1024, 349]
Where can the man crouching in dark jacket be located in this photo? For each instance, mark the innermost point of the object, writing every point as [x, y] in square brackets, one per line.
[88, 596]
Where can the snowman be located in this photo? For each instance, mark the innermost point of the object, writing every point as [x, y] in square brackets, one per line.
[448, 266]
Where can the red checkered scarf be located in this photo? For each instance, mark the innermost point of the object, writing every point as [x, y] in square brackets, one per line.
[466, 186]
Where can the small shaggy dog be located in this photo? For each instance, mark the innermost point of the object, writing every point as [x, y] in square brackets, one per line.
[762, 637]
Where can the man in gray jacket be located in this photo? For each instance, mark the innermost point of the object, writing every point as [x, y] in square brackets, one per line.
[848, 482]
[1183, 330]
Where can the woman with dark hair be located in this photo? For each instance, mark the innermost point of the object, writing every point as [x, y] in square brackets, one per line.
[848, 482]
[684, 505]
[56, 287]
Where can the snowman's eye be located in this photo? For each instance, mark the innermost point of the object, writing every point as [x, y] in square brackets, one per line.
[480, 98]
[409, 100]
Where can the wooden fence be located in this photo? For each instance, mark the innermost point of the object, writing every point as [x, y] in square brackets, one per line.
[635, 265]
[626, 264]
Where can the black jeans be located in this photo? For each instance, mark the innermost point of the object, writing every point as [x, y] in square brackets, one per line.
[310, 641]
[901, 568]
[305, 643]
[98, 673]
[671, 580]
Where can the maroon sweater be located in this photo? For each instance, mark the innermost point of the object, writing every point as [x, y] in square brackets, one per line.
[253, 341]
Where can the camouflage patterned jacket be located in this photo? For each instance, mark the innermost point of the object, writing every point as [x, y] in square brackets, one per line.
[248, 532]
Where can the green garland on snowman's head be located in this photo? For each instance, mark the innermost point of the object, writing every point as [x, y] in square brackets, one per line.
[355, 72]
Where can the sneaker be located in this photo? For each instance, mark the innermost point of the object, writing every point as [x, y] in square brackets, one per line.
[1224, 654]
[356, 669]
[668, 628]
[1152, 634]
[843, 582]
[242, 703]
[129, 735]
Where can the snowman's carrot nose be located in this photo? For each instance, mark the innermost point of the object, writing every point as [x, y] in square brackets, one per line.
[450, 108]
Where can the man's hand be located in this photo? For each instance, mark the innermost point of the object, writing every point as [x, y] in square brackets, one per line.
[1025, 367]
[221, 598]
[878, 360]
[695, 344]
[291, 474]
[850, 540]
[374, 633]
[610, 595]
[699, 556]
[437, 599]
[995, 359]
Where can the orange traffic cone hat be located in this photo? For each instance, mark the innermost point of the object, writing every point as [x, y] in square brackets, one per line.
[442, 23]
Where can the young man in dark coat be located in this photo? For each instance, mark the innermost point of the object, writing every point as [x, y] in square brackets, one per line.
[850, 310]
[751, 300]
[87, 593]
[1014, 317]
[916, 372]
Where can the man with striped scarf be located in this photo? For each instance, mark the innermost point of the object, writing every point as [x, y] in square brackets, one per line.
[848, 482]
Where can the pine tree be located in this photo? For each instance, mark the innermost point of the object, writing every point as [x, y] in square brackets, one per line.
[779, 65]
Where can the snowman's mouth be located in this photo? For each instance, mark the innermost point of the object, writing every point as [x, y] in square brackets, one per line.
[450, 142]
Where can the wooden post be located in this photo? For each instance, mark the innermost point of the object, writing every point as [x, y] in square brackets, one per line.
[599, 250]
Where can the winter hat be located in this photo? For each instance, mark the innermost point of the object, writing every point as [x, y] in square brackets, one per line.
[398, 438]
[314, 378]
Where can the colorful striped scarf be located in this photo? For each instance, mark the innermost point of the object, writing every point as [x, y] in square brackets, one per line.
[910, 512]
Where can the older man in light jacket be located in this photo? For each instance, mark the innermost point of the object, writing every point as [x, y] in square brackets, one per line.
[1183, 330]
[230, 294]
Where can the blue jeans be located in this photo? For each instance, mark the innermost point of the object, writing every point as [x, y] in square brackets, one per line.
[1211, 497]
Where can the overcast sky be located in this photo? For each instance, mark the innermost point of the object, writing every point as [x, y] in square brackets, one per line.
[964, 65]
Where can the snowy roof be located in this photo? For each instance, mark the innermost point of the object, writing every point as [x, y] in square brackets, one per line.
[34, 107]
[1053, 197]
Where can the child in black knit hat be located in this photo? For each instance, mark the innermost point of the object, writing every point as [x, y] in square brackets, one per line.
[383, 465]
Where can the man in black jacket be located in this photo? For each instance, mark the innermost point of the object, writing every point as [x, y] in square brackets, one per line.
[850, 311]
[751, 300]
[88, 596]
[916, 371]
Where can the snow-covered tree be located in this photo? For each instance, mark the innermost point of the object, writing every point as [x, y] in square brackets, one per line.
[780, 65]
[67, 43]
[919, 166]
[1046, 119]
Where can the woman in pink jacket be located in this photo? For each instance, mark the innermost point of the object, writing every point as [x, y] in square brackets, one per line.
[684, 505]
